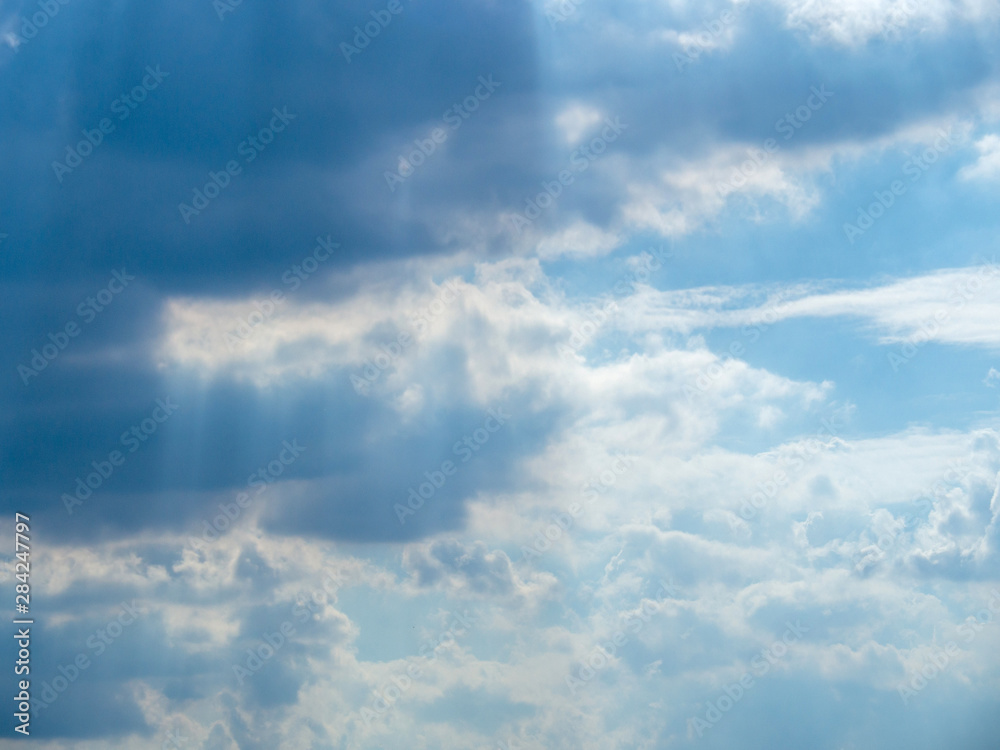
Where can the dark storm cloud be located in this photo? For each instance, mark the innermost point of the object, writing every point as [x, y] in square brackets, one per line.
[222, 82]
[225, 438]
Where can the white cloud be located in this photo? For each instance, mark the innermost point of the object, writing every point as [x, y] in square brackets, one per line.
[956, 306]
[854, 22]
[987, 167]
[676, 510]
[579, 239]
[675, 195]
[576, 121]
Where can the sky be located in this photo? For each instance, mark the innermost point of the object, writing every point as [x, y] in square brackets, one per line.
[501, 375]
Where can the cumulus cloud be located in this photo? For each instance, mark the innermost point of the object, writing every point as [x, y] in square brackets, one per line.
[987, 167]
[469, 484]
[850, 22]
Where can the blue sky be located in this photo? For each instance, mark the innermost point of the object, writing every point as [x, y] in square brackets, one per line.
[504, 375]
